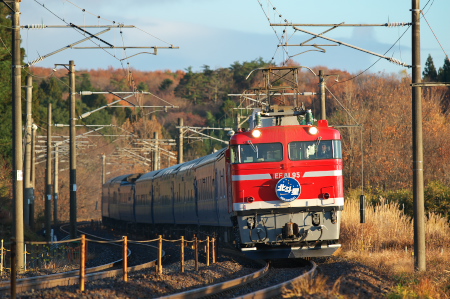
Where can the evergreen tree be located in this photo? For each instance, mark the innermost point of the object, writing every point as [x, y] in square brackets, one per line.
[5, 86]
[430, 73]
[241, 71]
[444, 71]
[191, 86]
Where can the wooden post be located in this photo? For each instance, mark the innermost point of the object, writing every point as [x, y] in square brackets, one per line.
[160, 250]
[83, 263]
[207, 251]
[1, 259]
[182, 254]
[125, 258]
[214, 250]
[196, 252]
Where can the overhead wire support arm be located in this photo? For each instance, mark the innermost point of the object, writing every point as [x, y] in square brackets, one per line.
[202, 128]
[395, 24]
[126, 47]
[70, 46]
[92, 35]
[153, 146]
[43, 26]
[396, 61]
[217, 139]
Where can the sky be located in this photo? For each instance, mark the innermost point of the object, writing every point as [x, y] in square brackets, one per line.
[218, 33]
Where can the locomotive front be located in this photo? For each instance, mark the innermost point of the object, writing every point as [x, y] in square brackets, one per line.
[287, 189]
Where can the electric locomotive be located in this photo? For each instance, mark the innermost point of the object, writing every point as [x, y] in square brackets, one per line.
[276, 191]
[287, 189]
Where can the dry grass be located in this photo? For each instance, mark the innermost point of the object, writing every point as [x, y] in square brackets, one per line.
[311, 285]
[386, 242]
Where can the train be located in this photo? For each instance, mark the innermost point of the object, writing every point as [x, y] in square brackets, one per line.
[276, 191]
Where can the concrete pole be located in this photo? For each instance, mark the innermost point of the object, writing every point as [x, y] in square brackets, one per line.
[418, 189]
[49, 192]
[73, 154]
[56, 187]
[33, 174]
[28, 191]
[18, 230]
[103, 169]
[156, 163]
[323, 109]
[180, 141]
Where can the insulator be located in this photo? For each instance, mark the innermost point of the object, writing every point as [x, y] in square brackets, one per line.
[397, 24]
[35, 26]
[396, 61]
[35, 61]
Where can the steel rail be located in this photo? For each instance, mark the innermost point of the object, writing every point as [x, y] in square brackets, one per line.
[223, 286]
[227, 286]
[277, 290]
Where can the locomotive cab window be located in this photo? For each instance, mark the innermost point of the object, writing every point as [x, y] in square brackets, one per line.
[315, 150]
[254, 153]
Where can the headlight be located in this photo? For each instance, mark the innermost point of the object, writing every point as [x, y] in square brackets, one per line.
[256, 133]
[313, 130]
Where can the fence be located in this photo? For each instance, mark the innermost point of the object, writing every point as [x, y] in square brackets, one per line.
[73, 254]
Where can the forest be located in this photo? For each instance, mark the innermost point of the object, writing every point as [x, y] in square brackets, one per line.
[372, 110]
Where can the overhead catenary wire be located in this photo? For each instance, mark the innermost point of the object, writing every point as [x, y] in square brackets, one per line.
[423, 15]
[96, 44]
[280, 39]
[359, 74]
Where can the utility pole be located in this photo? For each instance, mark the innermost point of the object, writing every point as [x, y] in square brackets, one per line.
[103, 169]
[55, 183]
[73, 154]
[418, 189]
[28, 191]
[48, 201]
[33, 172]
[18, 231]
[323, 110]
[180, 141]
[156, 154]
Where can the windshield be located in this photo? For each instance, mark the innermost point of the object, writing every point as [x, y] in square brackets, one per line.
[252, 153]
[315, 150]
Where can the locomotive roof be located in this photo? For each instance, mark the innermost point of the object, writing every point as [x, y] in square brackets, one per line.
[285, 134]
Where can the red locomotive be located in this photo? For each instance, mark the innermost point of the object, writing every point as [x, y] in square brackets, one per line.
[287, 190]
[275, 192]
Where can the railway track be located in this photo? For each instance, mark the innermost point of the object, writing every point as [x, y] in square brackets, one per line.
[264, 282]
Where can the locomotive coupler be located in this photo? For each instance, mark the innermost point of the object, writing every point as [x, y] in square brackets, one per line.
[290, 230]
